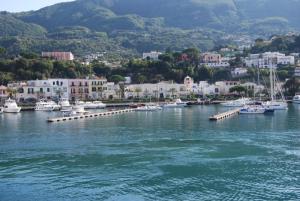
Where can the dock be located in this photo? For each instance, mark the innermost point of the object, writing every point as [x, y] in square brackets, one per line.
[224, 115]
[89, 116]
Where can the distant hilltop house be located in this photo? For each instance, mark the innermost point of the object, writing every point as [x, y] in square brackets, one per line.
[239, 72]
[213, 60]
[59, 56]
[297, 72]
[153, 55]
[268, 59]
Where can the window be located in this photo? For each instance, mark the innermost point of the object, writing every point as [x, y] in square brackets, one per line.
[61, 83]
[73, 84]
[48, 89]
[53, 83]
[41, 90]
[94, 89]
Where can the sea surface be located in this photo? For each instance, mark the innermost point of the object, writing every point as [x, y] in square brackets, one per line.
[175, 154]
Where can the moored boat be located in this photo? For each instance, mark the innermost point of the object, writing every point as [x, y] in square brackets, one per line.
[177, 104]
[237, 103]
[1, 110]
[46, 106]
[253, 110]
[296, 99]
[65, 105]
[11, 106]
[149, 108]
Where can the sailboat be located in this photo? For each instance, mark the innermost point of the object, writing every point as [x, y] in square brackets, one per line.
[275, 104]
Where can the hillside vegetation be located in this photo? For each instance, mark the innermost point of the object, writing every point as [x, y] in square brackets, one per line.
[129, 27]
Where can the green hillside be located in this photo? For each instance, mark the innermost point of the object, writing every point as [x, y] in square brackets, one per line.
[125, 27]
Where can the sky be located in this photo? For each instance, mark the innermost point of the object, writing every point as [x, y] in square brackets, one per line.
[26, 5]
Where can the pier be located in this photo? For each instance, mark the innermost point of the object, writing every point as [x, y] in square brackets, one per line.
[224, 115]
[89, 116]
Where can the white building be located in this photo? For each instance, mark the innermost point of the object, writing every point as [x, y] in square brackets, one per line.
[268, 59]
[159, 90]
[225, 86]
[153, 55]
[216, 65]
[207, 89]
[238, 72]
[297, 72]
[60, 87]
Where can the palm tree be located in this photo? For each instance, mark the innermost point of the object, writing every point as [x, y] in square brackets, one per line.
[138, 91]
[173, 91]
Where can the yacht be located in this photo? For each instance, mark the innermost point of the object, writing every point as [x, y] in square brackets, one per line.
[46, 106]
[253, 110]
[296, 99]
[177, 104]
[78, 109]
[237, 103]
[64, 105]
[11, 106]
[276, 105]
[91, 105]
[99, 104]
[149, 108]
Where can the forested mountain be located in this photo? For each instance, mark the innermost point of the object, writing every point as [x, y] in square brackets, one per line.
[132, 26]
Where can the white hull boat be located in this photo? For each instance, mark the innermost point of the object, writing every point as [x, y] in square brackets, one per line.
[91, 105]
[253, 110]
[46, 106]
[237, 103]
[11, 106]
[276, 105]
[296, 99]
[149, 108]
[1, 110]
[177, 104]
[65, 105]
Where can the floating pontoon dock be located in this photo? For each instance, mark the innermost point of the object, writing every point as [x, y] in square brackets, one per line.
[89, 116]
[224, 115]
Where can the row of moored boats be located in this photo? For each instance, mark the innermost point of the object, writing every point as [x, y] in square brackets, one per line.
[63, 105]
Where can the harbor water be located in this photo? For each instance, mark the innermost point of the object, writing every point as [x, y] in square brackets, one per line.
[174, 154]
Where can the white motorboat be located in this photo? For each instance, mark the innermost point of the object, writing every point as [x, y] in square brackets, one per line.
[253, 110]
[149, 108]
[296, 99]
[237, 103]
[177, 104]
[1, 110]
[276, 105]
[99, 104]
[46, 106]
[91, 105]
[11, 106]
[78, 109]
[65, 105]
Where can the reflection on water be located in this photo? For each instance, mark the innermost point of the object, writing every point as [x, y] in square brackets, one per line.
[176, 154]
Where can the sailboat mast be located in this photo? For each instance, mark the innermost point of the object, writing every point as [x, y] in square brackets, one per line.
[272, 81]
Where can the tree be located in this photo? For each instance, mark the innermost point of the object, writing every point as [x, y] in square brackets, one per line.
[239, 89]
[2, 51]
[204, 74]
[173, 91]
[138, 90]
[117, 78]
[141, 79]
[292, 86]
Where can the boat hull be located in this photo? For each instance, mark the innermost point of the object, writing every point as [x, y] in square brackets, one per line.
[12, 110]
